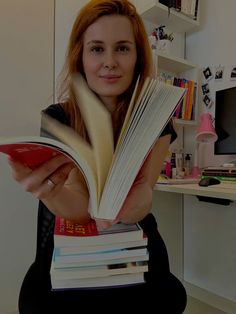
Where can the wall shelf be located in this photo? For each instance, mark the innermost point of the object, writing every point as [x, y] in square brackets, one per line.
[173, 64]
[158, 14]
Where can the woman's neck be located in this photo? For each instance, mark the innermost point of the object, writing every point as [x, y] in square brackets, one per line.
[110, 103]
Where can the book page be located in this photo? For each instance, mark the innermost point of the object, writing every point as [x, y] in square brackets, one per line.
[127, 116]
[99, 126]
[153, 113]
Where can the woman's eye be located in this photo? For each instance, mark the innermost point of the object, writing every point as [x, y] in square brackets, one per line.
[122, 48]
[97, 49]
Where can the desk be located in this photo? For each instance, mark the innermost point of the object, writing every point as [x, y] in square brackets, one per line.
[200, 239]
[222, 190]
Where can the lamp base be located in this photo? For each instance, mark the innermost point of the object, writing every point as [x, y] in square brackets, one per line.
[196, 173]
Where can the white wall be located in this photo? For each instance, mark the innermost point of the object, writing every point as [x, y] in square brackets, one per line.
[210, 233]
[26, 80]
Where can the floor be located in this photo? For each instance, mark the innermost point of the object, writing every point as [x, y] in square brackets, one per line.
[197, 307]
[193, 307]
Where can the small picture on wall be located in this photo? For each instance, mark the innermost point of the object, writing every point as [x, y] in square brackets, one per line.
[205, 89]
[219, 73]
[207, 101]
[207, 74]
[233, 73]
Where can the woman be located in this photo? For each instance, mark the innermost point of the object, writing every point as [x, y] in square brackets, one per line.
[109, 47]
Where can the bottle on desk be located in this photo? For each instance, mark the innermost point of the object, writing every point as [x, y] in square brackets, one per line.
[173, 165]
[187, 164]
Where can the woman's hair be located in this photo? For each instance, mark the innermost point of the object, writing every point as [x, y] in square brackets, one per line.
[93, 10]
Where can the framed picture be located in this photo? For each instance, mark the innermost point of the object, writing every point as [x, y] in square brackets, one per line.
[207, 74]
[219, 73]
[207, 101]
[205, 89]
[233, 73]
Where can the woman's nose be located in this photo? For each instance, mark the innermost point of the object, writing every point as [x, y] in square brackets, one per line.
[110, 61]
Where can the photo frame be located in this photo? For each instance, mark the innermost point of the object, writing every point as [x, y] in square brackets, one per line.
[205, 89]
[233, 73]
[208, 101]
[207, 74]
[219, 73]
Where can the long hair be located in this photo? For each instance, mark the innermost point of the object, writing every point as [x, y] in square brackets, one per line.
[93, 10]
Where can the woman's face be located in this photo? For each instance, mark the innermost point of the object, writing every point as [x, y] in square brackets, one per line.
[109, 57]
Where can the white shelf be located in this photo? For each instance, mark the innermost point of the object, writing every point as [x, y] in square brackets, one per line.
[177, 66]
[158, 14]
[173, 64]
[185, 122]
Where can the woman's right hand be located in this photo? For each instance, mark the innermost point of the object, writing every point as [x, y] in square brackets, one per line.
[45, 181]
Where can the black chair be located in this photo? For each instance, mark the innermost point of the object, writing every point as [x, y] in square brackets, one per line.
[162, 292]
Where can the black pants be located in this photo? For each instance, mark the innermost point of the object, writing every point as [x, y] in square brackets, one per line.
[161, 293]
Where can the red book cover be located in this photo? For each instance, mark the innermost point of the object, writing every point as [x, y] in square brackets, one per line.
[30, 154]
[65, 227]
[68, 233]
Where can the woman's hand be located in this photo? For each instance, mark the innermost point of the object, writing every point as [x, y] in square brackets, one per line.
[59, 184]
[46, 180]
[138, 202]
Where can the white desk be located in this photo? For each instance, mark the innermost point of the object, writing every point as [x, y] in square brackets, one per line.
[222, 190]
[197, 235]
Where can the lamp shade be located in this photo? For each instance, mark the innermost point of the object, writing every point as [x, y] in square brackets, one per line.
[205, 131]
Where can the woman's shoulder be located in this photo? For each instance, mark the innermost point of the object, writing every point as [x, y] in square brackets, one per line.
[57, 112]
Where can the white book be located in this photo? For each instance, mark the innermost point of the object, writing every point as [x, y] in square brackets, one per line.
[62, 265]
[98, 270]
[68, 250]
[108, 281]
[99, 256]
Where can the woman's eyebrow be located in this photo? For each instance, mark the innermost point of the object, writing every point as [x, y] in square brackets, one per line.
[94, 42]
[102, 42]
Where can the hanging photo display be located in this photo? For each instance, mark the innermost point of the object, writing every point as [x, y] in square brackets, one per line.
[205, 89]
[207, 74]
[219, 73]
[233, 73]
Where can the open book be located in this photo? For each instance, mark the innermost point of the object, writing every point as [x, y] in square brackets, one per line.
[109, 174]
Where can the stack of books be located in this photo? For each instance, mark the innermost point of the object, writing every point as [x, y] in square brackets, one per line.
[224, 174]
[86, 257]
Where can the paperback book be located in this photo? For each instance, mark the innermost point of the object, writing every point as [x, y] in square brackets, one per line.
[99, 255]
[102, 282]
[69, 250]
[98, 270]
[104, 168]
[72, 234]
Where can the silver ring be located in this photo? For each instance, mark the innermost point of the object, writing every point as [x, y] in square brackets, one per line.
[50, 183]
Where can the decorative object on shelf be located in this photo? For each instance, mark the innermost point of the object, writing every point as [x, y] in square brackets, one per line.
[205, 134]
[164, 46]
[163, 39]
[160, 33]
[187, 7]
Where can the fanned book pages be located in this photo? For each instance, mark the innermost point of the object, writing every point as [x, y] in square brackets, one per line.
[109, 173]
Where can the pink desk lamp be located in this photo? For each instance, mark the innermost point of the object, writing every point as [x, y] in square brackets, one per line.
[205, 134]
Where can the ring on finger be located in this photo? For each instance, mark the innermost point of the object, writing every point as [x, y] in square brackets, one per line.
[50, 183]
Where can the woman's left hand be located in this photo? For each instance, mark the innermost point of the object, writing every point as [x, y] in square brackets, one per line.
[138, 202]
[136, 206]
